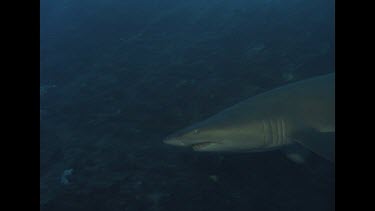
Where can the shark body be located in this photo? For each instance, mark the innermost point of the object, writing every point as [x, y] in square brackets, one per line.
[300, 113]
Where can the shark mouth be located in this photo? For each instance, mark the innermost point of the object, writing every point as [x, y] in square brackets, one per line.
[201, 145]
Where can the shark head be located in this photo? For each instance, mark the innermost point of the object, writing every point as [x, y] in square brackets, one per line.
[208, 137]
[294, 113]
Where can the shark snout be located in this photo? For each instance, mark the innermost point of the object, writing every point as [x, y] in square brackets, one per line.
[173, 141]
[196, 145]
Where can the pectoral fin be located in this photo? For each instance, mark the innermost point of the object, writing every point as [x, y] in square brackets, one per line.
[321, 143]
[295, 157]
[296, 153]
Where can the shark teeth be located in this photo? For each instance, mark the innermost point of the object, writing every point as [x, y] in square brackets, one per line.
[200, 145]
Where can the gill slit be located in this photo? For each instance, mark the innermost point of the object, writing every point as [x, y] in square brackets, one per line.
[265, 132]
[274, 132]
[279, 132]
[283, 130]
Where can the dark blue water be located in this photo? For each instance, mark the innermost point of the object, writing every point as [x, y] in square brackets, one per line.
[117, 76]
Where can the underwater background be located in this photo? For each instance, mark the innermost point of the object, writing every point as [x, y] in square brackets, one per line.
[118, 76]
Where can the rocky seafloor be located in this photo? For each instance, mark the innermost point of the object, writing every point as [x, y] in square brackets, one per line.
[117, 77]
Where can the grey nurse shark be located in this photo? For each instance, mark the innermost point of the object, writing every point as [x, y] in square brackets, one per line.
[297, 114]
